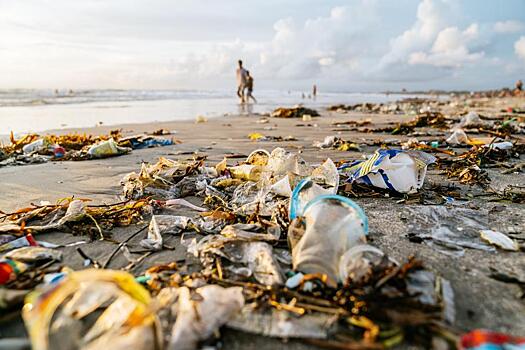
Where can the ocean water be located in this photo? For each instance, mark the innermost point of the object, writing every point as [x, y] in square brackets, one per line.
[23, 111]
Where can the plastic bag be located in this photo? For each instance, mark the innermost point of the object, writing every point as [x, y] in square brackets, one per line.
[200, 315]
[154, 239]
[36, 146]
[396, 170]
[107, 149]
[119, 313]
[458, 137]
[332, 225]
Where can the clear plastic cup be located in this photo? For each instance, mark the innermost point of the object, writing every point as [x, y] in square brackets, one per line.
[333, 225]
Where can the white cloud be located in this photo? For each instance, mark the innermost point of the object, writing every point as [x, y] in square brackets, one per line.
[510, 26]
[431, 17]
[327, 46]
[519, 47]
[450, 49]
[432, 41]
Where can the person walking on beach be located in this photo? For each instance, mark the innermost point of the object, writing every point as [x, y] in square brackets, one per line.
[241, 81]
[249, 87]
[314, 91]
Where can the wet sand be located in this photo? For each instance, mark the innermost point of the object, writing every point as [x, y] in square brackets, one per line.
[481, 301]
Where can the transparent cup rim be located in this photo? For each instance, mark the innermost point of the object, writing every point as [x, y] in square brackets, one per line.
[347, 201]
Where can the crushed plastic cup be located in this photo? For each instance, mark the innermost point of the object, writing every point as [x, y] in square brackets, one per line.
[246, 172]
[332, 225]
[258, 157]
[458, 137]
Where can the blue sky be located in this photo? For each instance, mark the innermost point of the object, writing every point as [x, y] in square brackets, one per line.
[353, 45]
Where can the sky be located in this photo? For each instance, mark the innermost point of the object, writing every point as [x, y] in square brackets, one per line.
[351, 46]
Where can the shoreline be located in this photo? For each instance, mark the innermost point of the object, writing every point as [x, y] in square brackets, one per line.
[42, 118]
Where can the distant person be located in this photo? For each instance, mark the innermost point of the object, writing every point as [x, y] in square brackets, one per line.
[314, 91]
[241, 81]
[519, 85]
[249, 87]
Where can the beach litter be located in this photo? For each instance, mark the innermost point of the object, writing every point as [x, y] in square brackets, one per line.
[335, 142]
[396, 170]
[270, 247]
[271, 221]
[294, 112]
[33, 148]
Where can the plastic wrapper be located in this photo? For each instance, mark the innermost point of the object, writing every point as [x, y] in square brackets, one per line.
[154, 239]
[76, 211]
[281, 162]
[34, 254]
[332, 225]
[448, 229]
[20, 242]
[260, 260]
[471, 120]
[279, 323]
[241, 247]
[458, 137]
[91, 309]
[107, 149]
[201, 313]
[36, 146]
[396, 170]
[10, 269]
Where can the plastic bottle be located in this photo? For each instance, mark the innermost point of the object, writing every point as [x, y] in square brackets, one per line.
[332, 225]
[10, 269]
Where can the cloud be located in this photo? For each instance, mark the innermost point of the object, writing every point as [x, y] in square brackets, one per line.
[450, 49]
[432, 16]
[329, 46]
[432, 41]
[510, 26]
[519, 47]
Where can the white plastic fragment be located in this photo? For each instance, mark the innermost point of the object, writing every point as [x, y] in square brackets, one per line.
[397, 170]
[499, 239]
[198, 316]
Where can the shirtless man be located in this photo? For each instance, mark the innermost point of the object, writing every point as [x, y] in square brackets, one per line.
[241, 81]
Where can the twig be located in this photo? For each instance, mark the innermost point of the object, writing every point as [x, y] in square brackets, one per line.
[87, 257]
[98, 227]
[115, 251]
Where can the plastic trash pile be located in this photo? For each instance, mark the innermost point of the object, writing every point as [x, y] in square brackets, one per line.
[278, 253]
[294, 112]
[34, 148]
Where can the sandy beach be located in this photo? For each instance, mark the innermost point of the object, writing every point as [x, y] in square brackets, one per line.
[480, 300]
